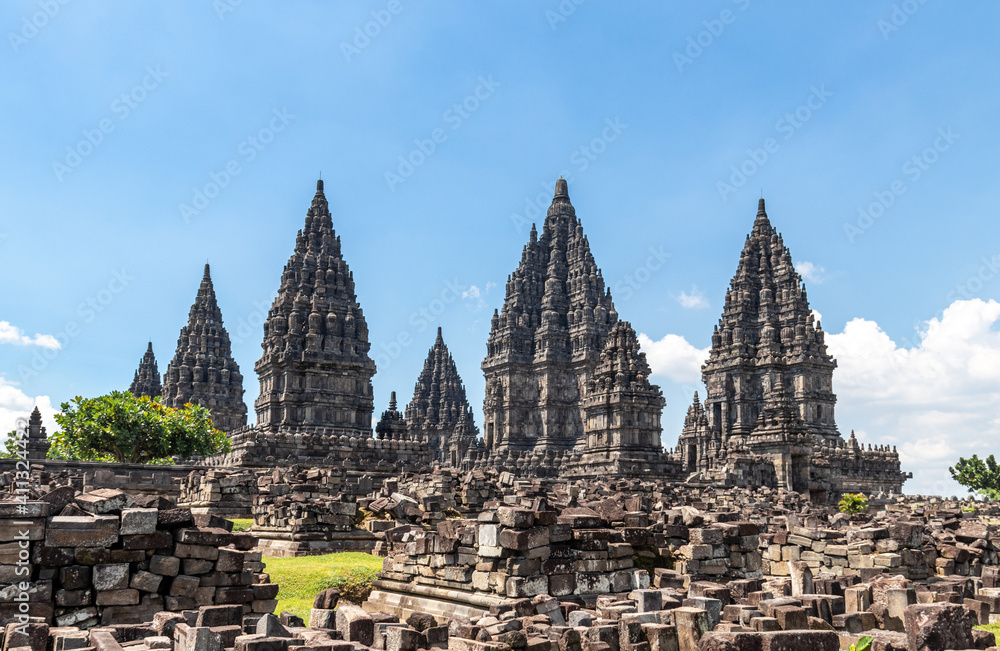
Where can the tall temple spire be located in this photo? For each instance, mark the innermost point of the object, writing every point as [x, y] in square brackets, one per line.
[203, 371]
[546, 339]
[147, 378]
[761, 224]
[767, 323]
[315, 372]
[769, 380]
[439, 413]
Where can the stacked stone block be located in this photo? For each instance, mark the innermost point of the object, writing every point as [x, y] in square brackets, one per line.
[228, 493]
[102, 557]
[299, 511]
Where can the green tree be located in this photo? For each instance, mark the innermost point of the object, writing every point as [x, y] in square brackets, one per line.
[978, 475]
[121, 427]
[852, 503]
[9, 450]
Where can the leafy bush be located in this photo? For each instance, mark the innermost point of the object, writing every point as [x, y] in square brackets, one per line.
[121, 427]
[852, 503]
[863, 644]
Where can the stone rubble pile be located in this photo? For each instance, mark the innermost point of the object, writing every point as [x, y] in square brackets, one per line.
[106, 557]
[739, 616]
[228, 493]
[301, 511]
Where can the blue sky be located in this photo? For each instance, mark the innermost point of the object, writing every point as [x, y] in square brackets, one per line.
[652, 113]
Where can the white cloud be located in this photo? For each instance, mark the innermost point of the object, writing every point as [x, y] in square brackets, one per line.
[10, 334]
[475, 296]
[936, 398]
[15, 404]
[695, 300]
[811, 272]
[673, 357]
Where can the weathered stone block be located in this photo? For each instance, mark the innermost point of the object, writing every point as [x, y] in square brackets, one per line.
[125, 597]
[138, 521]
[184, 586]
[165, 565]
[524, 539]
[183, 550]
[403, 638]
[518, 586]
[111, 576]
[692, 624]
[355, 625]
[82, 531]
[933, 627]
[800, 641]
[791, 618]
[146, 581]
[322, 618]
[102, 501]
[516, 517]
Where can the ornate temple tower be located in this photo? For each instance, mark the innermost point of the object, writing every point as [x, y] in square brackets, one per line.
[38, 444]
[439, 413]
[147, 378]
[392, 426]
[546, 341]
[315, 372]
[622, 408]
[766, 345]
[769, 381]
[203, 371]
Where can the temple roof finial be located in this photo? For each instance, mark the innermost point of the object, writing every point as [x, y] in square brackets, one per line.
[760, 207]
[319, 185]
[562, 189]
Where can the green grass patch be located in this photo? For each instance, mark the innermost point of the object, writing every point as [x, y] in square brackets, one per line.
[992, 628]
[241, 524]
[302, 578]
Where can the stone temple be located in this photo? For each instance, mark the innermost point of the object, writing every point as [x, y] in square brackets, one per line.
[203, 371]
[439, 414]
[315, 372]
[568, 391]
[561, 392]
[315, 403]
[769, 382]
[147, 376]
